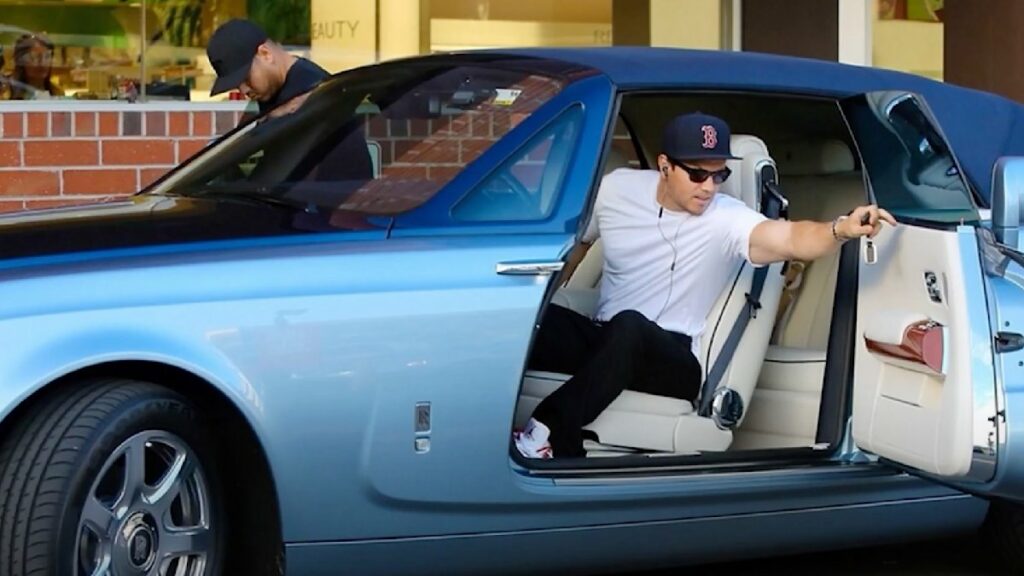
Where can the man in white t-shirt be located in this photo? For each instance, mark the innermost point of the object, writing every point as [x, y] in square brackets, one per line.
[670, 245]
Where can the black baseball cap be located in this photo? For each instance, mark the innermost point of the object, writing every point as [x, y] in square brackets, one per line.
[231, 50]
[697, 136]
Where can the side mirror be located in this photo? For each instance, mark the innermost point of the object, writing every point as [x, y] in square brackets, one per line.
[1007, 189]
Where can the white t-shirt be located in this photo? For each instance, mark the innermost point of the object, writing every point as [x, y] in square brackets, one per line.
[640, 248]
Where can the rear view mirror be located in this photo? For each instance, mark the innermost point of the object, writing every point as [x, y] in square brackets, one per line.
[1007, 188]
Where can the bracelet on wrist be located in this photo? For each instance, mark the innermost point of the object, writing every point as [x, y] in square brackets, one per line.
[835, 234]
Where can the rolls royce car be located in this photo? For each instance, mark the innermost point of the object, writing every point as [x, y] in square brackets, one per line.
[305, 350]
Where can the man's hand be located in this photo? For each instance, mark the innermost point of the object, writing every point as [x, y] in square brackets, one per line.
[289, 106]
[863, 221]
[779, 240]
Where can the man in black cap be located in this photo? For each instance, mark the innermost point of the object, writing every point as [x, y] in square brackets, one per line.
[246, 59]
[670, 245]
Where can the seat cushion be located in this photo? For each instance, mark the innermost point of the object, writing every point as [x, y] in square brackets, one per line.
[784, 408]
[634, 419]
[675, 434]
[540, 384]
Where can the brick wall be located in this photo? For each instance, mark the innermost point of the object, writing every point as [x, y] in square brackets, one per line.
[63, 153]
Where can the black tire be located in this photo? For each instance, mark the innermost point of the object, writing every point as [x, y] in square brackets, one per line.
[1004, 529]
[51, 461]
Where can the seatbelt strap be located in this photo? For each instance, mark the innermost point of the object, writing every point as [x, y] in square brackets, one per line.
[773, 205]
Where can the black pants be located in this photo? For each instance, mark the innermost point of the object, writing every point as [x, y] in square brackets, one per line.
[627, 352]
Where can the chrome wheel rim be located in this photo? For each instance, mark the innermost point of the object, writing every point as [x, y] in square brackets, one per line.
[147, 512]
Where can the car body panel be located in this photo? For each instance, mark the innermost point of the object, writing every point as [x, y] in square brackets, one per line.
[150, 221]
[362, 338]
[1007, 297]
[363, 344]
[627, 548]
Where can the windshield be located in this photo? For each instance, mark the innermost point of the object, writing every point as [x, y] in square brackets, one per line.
[377, 141]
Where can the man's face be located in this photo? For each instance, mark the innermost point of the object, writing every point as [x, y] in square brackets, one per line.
[264, 78]
[685, 194]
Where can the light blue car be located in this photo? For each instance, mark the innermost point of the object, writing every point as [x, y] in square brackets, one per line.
[305, 350]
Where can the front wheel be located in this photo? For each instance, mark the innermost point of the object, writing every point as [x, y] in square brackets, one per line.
[110, 477]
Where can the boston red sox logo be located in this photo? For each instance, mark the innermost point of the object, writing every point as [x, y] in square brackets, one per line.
[710, 136]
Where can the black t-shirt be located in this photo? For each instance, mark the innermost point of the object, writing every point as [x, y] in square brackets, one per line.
[343, 155]
[301, 78]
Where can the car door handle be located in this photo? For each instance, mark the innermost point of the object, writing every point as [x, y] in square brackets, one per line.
[530, 267]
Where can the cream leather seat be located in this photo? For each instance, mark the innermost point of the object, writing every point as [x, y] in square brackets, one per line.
[820, 181]
[648, 422]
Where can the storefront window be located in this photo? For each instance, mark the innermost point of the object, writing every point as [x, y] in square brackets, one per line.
[466, 24]
[68, 49]
[96, 49]
[908, 36]
[155, 49]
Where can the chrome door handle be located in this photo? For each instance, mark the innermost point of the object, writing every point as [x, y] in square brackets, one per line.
[530, 267]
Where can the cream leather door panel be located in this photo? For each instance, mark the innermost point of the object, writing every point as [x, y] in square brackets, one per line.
[923, 350]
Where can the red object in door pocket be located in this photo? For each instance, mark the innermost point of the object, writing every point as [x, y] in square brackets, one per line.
[922, 344]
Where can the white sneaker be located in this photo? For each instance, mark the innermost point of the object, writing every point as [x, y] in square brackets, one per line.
[532, 441]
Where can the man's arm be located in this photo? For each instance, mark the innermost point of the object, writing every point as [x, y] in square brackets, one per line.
[779, 240]
[579, 251]
[288, 107]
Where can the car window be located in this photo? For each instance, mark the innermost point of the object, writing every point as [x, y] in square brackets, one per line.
[623, 151]
[909, 165]
[376, 143]
[526, 186]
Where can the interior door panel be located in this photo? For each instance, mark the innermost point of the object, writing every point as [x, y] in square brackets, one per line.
[913, 373]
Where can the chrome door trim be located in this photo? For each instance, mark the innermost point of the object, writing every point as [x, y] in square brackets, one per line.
[530, 267]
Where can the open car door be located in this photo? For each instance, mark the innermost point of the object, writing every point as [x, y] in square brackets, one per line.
[926, 393]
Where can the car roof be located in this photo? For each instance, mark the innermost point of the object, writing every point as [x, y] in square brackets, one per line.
[980, 126]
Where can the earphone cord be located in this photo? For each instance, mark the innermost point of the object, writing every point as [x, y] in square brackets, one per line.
[672, 268]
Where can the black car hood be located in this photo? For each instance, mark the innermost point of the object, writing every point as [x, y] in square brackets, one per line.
[148, 220]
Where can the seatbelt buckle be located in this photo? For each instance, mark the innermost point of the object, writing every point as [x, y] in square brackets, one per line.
[726, 408]
[755, 305]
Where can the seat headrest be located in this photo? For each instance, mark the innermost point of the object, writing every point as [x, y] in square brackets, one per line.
[814, 157]
[744, 184]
